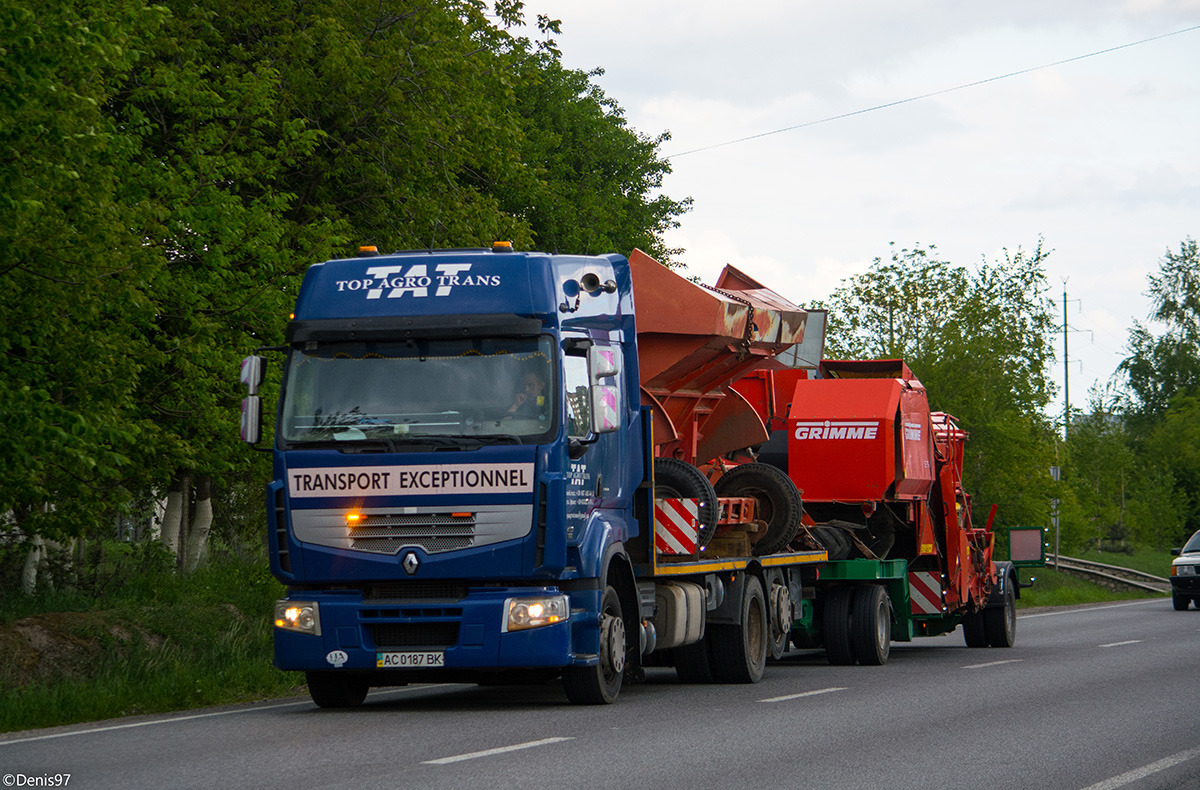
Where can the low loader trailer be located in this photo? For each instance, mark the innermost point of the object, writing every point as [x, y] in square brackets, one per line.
[882, 478]
[487, 467]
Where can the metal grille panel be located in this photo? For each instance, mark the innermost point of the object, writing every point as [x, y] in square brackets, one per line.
[433, 532]
[415, 591]
[415, 635]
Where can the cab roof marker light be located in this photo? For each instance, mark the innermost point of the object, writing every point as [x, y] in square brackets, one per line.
[502, 246]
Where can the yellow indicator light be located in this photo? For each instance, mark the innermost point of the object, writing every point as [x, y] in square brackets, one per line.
[353, 518]
[460, 515]
[291, 316]
[368, 248]
[502, 245]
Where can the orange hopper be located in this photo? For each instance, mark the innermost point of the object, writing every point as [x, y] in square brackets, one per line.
[693, 342]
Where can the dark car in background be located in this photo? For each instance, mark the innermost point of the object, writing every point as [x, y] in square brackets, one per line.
[1185, 574]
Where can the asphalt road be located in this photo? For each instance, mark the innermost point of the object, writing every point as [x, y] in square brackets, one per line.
[1098, 697]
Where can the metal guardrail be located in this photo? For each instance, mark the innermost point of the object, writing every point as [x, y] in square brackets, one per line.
[1112, 576]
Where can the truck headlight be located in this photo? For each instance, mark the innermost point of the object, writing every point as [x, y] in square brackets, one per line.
[535, 612]
[301, 616]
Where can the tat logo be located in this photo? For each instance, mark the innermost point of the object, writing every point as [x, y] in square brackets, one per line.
[830, 429]
[396, 281]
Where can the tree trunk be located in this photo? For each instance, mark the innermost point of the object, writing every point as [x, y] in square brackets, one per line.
[201, 524]
[175, 518]
[33, 560]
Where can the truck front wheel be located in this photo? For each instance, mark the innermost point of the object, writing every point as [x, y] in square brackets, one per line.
[336, 689]
[600, 684]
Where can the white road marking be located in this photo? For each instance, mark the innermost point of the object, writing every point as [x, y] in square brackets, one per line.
[994, 663]
[1093, 608]
[1118, 644]
[1146, 770]
[803, 694]
[174, 719]
[499, 750]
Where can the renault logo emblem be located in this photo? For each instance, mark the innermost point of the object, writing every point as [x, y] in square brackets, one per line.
[410, 563]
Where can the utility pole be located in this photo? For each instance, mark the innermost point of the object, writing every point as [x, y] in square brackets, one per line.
[1066, 370]
[1066, 331]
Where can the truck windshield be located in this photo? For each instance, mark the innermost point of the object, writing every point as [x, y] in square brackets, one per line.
[421, 391]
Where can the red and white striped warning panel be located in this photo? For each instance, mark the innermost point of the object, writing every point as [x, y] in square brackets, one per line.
[676, 524]
[925, 591]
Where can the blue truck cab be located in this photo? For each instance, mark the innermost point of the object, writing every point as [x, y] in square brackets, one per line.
[463, 480]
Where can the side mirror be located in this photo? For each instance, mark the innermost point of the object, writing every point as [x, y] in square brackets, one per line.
[606, 417]
[253, 368]
[251, 426]
[1176, 552]
[603, 362]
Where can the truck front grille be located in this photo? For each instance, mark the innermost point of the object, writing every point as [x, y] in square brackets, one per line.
[415, 591]
[433, 532]
[415, 635]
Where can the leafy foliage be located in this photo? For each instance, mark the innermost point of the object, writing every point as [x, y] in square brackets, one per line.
[979, 340]
[169, 170]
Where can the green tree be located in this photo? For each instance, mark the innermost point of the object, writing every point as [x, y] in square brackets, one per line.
[1161, 365]
[979, 340]
[72, 265]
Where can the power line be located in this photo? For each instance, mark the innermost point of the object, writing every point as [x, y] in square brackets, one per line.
[931, 95]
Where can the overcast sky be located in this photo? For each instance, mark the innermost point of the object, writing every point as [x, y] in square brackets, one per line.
[1100, 157]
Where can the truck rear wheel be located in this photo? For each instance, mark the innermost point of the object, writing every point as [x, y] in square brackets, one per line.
[675, 479]
[600, 684]
[871, 625]
[836, 625]
[336, 689]
[1000, 622]
[777, 498]
[739, 652]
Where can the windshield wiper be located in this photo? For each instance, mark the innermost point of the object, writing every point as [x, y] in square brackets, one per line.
[499, 438]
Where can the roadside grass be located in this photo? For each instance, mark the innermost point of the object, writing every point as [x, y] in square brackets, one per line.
[151, 642]
[1144, 558]
[1053, 588]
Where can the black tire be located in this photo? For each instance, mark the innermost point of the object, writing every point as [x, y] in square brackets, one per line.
[837, 544]
[739, 652]
[1000, 622]
[973, 633]
[600, 684]
[778, 502]
[1181, 602]
[871, 625]
[336, 689]
[839, 647]
[675, 479]
[692, 664]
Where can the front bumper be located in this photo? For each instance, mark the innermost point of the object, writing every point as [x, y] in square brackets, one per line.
[1185, 585]
[469, 632]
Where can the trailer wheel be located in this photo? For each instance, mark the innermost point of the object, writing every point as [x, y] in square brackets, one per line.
[739, 652]
[777, 497]
[836, 623]
[1000, 622]
[692, 664]
[780, 611]
[600, 684]
[675, 479]
[336, 689]
[973, 632]
[871, 625]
